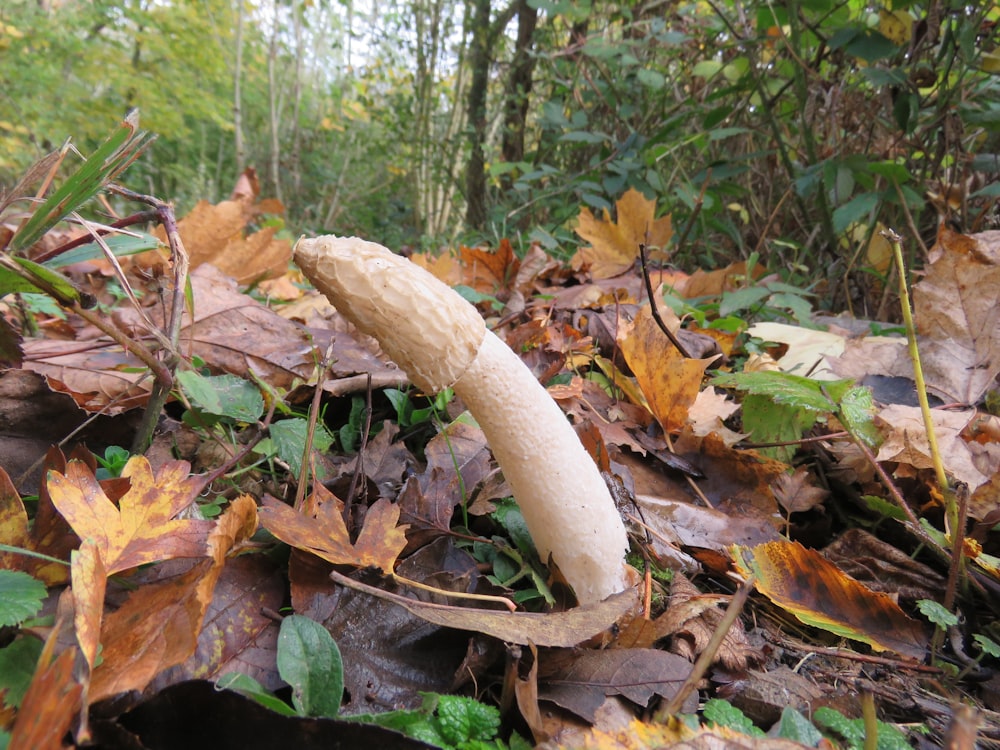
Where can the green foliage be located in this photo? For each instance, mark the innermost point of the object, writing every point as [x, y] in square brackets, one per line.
[451, 722]
[794, 726]
[309, 661]
[937, 614]
[112, 462]
[725, 714]
[288, 440]
[222, 396]
[17, 666]
[853, 730]
[20, 597]
[408, 415]
[780, 406]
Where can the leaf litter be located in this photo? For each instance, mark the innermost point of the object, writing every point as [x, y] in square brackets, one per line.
[166, 580]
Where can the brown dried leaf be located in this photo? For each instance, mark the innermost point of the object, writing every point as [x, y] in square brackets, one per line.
[669, 381]
[819, 594]
[50, 704]
[692, 617]
[490, 272]
[796, 492]
[562, 629]
[957, 311]
[323, 533]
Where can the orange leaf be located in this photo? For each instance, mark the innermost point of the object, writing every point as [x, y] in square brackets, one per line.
[669, 381]
[490, 272]
[158, 625]
[615, 245]
[818, 593]
[89, 581]
[325, 535]
[50, 704]
[140, 529]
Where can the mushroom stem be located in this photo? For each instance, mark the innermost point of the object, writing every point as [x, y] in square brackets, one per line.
[440, 340]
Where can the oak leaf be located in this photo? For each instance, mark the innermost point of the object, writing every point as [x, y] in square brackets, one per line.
[615, 244]
[324, 533]
[143, 528]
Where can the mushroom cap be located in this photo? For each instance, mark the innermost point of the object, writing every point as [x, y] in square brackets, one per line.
[424, 325]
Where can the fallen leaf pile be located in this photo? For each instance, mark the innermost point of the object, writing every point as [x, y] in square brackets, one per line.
[801, 467]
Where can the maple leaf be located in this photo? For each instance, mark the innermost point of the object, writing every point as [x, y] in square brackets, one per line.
[669, 381]
[142, 529]
[158, 625]
[615, 245]
[324, 533]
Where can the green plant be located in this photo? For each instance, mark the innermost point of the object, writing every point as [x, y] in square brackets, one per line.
[112, 462]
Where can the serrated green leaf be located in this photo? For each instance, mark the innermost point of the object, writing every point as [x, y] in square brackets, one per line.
[794, 726]
[857, 412]
[462, 719]
[770, 422]
[20, 597]
[289, 441]
[782, 387]
[937, 614]
[223, 395]
[310, 662]
[17, 667]
[853, 730]
[725, 714]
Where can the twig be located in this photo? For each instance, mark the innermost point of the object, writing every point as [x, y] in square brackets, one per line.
[652, 304]
[708, 655]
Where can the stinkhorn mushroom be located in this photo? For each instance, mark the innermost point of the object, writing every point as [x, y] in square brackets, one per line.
[440, 340]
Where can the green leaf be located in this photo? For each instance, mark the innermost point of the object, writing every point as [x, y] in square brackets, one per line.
[309, 661]
[857, 412]
[783, 388]
[937, 614]
[855, 210]
[109, 160]
[987, 645]
[121, 245]
[22, 275]
[223, 395]
[742, 299]
[289, 436]
[249, 687]
[794, 726]
[725, 714]
[770, 422]
[17, 667]
[853, 730]
[884, 508]
[20, 597]
[462, 719]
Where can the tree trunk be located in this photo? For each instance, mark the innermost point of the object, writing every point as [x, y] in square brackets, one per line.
[479, 63]
[241, 157]
[519, 85]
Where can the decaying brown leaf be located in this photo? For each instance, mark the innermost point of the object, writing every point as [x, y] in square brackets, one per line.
[818, 593]
[50, 704]
[797, 493]
[324, 534]
[690, 620]
[143, 528]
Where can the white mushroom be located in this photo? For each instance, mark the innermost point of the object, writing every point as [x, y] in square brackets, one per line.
[440, 340]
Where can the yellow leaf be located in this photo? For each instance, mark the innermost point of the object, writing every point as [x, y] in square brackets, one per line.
[142, 529]
[615, 245]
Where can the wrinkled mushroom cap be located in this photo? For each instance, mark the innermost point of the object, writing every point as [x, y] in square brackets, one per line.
[422, 323]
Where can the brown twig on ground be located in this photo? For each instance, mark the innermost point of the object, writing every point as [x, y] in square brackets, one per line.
[652, 305]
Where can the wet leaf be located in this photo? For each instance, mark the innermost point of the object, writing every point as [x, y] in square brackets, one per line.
[813, 589]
